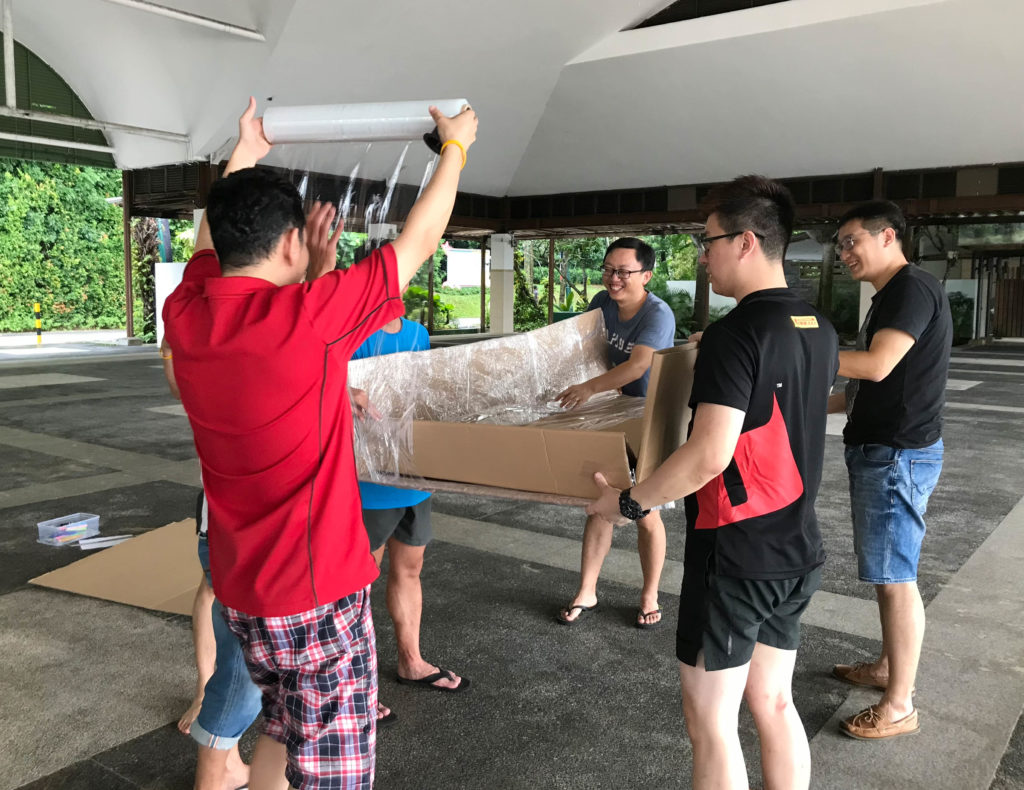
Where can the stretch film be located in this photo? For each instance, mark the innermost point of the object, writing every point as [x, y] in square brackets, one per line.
[321, 123]
[513, 380]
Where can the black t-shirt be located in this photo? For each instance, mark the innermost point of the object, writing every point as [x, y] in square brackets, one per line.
[905, 408]
[775, 358]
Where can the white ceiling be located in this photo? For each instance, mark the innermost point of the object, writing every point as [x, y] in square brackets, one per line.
[566, 101]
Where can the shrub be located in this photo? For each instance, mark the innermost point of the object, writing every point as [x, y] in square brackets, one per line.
[416, 300]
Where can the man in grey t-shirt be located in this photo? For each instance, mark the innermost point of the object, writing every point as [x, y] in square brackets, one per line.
[637, 324]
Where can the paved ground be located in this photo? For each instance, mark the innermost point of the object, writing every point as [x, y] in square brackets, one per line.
[21, 347]
[92, 688]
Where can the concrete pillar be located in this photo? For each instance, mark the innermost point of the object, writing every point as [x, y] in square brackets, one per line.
[867, 290]
[502, 283]
[197, 217]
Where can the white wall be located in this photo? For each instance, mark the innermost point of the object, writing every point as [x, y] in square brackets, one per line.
[464, 268]
[168, 275]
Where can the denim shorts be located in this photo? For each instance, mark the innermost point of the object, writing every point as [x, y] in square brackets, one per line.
[889, 490]
[231, 701]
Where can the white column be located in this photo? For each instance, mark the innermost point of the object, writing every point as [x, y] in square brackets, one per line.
[502, 283]
[867, 290]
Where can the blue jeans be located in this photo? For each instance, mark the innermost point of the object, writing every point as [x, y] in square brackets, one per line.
[231, 701]
[889, 490]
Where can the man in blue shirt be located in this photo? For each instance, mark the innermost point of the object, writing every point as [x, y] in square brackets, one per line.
[399, 519]
[637, 323]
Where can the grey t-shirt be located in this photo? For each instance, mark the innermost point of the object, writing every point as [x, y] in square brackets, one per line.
[654, 326]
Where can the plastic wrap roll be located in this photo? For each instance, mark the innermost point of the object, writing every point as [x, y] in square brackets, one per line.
[321, 123]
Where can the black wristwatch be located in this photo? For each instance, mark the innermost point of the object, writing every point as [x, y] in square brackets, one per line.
[629, 507]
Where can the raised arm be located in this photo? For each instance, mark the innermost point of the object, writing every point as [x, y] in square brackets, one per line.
[429, 216]
[251, 147]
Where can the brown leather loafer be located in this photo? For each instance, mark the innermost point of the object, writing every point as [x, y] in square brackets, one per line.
[859, 674]
[871, 725]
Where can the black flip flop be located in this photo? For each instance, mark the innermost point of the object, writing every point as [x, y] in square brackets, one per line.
[387, 721]
[560, 619]
[430, 680]
[640, 613]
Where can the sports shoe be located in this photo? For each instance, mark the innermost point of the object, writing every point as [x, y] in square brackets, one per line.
[871, 725]
[859, 674]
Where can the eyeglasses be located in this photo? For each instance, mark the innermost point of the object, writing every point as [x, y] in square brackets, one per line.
[623, 274]
[847, 243]
[703, 242]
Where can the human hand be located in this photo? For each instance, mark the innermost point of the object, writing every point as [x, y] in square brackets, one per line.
[606, 506]
[252, 142]
[321, 243]
[574, 396]
[461, 127]
[695, 337]
[361, 406]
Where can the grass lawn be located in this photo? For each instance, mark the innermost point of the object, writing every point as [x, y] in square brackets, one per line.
[466, 305]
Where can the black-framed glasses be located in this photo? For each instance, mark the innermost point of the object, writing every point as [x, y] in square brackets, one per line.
[703, 242]
[607, 272]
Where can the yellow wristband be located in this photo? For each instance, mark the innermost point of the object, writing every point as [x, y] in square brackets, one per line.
[461, 148]
[165, 356]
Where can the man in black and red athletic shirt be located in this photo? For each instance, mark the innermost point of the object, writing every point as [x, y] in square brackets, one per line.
[262, 328]
[750, 472]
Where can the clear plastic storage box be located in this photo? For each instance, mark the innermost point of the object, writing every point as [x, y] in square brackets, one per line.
[68, 529]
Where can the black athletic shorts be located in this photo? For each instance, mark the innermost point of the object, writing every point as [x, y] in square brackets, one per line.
[725, 616]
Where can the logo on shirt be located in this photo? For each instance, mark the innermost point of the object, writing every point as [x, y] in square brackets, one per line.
[804, 321]
[615, 340]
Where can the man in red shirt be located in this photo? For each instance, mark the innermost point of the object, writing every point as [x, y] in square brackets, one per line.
[262, 331]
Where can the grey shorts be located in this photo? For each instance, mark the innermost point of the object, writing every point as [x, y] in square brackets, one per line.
[408, 525]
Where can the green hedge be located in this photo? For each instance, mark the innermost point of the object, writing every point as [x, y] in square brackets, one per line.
[61, 245]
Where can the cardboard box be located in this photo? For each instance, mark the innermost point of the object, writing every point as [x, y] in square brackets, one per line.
[536, 460]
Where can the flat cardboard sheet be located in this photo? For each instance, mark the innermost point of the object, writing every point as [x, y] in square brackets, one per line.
[157, 570]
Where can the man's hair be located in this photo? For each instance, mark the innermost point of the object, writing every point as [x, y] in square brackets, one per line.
[757, 204]
[877, 215]
[644, 252]
[248, 213]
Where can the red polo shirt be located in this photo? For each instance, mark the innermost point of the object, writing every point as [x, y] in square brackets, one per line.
[262, 371]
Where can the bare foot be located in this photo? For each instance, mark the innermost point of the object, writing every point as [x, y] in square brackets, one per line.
[383, 711]
[189, 716]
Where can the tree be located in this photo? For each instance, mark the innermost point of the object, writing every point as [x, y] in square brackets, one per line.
[145, 252]
[526, 313]
[676, 253]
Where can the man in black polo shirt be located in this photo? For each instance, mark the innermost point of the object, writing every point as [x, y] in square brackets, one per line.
[750, 471]
[893, 437]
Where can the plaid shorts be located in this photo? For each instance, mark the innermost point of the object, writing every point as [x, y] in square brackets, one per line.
[318, 674]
